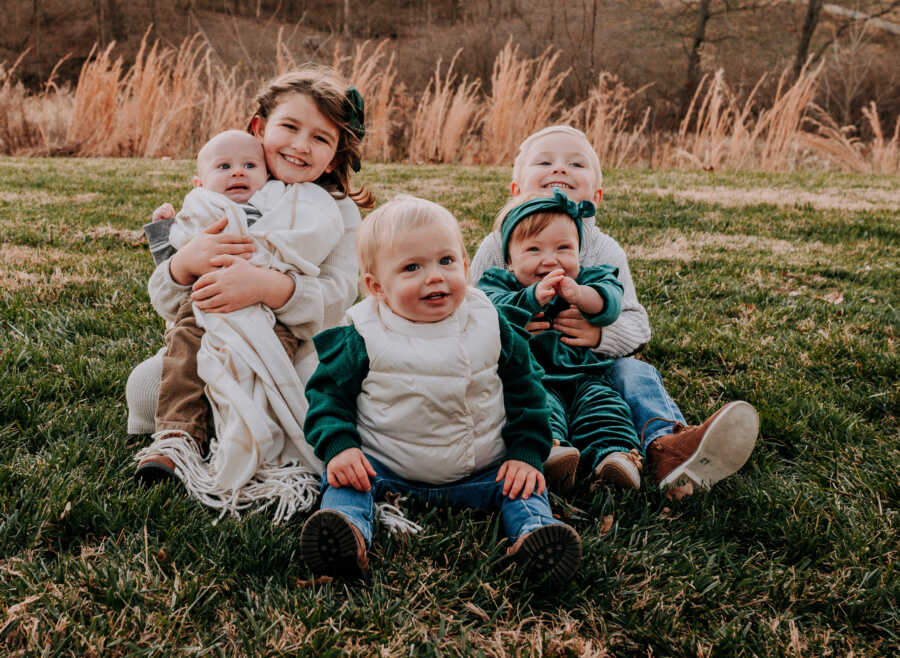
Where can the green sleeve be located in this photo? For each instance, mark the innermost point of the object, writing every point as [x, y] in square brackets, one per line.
[527, 430]
[605, 280]
[330, 425]
[502, 287]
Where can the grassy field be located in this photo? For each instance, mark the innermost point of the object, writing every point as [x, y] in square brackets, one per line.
[780, 290]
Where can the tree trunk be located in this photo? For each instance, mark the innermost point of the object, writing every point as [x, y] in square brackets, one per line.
[813, 13]
[36, 35]
[692, 78]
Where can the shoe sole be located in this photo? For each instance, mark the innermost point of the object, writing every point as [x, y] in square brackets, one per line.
[152, 472]
[328, 546]
[550, 554]
[725, 448]
[620, 475]
[559, 472]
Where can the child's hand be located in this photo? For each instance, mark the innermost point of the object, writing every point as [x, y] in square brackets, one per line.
[537, 325]
[569, 290]
[195, 258]
[233, 284]
[546, 288]
[577, 331]
[520, 477]
[350, 467]
[165, 211]
[585, 298]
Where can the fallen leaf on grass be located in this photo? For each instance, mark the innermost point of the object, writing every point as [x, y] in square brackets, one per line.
[321, 580]
[833, 298]
[607, 524]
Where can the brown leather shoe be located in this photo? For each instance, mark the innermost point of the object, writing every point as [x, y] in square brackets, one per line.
[550, 554]
[560, 468]
[332, 546]
[701, 455]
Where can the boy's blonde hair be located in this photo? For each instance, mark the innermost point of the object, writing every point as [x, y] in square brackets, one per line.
[567, 130]
[380, 228]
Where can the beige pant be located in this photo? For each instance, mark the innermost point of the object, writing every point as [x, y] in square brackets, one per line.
[181, 404]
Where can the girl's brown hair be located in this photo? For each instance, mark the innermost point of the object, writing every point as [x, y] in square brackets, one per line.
[329, 92]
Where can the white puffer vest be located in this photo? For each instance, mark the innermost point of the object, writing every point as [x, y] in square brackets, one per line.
[431, 407]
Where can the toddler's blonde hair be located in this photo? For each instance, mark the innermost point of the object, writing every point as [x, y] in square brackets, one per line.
[380, 228]
[592, 156]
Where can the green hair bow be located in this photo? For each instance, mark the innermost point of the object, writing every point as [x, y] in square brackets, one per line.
[357, 119]
[559, 202]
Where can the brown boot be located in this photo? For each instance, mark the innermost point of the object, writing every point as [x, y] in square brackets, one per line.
[560, 468]
[701, 455]
[332, 546]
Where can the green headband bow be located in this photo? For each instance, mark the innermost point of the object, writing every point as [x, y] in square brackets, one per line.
[357, 119]
[559, 202]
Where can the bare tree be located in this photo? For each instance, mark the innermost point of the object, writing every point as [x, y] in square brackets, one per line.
[692, 76]
[703, 14]
[811, 22]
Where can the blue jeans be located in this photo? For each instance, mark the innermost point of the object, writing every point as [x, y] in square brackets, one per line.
[641, 387]
[478, 491]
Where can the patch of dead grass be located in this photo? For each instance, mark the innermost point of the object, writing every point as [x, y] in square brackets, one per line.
[854, 199]
[686, 247]
[43, 197]
[24, 268]
[133, 237]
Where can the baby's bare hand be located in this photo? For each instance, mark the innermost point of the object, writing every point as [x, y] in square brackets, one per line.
[519, 477]
[165, 211]
[546, 289]
[350, 468]
[569, 290]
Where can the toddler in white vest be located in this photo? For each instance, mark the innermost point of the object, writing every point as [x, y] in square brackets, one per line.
[428, 392]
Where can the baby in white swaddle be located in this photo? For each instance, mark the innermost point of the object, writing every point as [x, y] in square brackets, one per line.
[240, 363]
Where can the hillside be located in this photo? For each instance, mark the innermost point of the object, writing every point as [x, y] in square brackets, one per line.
[643, 42]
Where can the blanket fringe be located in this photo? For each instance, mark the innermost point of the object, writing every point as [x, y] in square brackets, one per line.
[290, 487]
[394, 520]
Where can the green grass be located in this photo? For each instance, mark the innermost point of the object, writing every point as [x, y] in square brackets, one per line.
[795, 554]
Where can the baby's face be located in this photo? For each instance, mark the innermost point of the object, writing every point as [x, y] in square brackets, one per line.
[553, 248]
[423, 276]
[558, 160]
[232, 164]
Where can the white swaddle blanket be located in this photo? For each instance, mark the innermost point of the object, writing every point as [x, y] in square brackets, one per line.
[259, 455]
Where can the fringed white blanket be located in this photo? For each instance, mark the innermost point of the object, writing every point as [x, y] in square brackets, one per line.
[259, 456]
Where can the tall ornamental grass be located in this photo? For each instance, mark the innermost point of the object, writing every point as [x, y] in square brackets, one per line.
[172, 99]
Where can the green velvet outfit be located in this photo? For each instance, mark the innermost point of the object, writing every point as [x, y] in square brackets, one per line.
[586, 412]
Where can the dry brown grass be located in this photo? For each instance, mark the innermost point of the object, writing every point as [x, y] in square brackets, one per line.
[172, 99]
[447, 118]
[374, 73]
[523, 99]
[885, 155]
[607, 122]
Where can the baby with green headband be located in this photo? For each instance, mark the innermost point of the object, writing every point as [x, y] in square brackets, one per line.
[540, 243]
